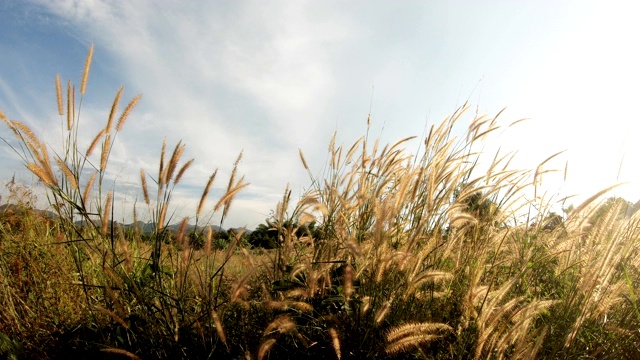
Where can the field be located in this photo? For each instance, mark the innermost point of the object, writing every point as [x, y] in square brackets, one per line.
[389, 255]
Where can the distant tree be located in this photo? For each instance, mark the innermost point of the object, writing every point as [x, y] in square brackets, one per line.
[634, 208]
[267, 235]
[552, 221]
[481, 207]
[264, 236]
[625, 209]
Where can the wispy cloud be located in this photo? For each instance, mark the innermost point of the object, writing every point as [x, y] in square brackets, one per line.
[271, 77]
[246, 76]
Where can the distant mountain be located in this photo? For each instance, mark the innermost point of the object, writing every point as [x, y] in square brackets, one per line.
[145, 227]
[149, 227]
[21, 209]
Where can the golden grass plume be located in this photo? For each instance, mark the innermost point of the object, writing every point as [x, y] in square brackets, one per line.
[85, 73]
[403, 337]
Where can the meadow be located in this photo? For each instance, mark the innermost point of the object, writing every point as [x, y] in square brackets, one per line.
[388, 255]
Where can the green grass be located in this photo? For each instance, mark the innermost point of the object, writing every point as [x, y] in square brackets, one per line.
[388, 255]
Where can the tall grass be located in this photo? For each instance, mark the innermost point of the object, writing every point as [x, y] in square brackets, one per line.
[439, 254]
[136, 294]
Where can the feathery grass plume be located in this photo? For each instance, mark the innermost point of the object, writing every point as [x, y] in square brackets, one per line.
[490, 321]
[537, 177]
[70, 106]
[85, 74]
[161, 179]
[282, 324]
[232, 189]
[265, 347]
[304, 162]
[530, 351]
[404, 330]
[403, 337]
[410, 341]
[73, 106]
[173, 162]
[59, 95]
[24, 129]
[182, 170]
[163, 214]
[521, 323]
[143, 180]
[366, 305]
[113, 315]
[218, 324]
[127, 110]
[301, 306]
[87, 189]
[67, 172]
[46, 163]
[114, 108]
[181, 231]
[276, 305]
[121, 352]
[207, 241]
[41, 174]
[227, 198]
[11, 127]
[348, 282]
[335, 342]
[105, 213]
[383, 311]
[234, 171]
[207, 188]
[433, 276]
[515, 327]
[94, 143]
[106, 149]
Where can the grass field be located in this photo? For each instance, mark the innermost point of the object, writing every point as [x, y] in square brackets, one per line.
[411, 256]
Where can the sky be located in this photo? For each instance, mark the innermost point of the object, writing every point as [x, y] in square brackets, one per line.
[270, 77]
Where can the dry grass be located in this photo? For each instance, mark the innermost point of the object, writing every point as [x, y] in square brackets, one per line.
[388, 254]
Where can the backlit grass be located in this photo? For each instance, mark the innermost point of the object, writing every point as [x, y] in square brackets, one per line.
[388, 255]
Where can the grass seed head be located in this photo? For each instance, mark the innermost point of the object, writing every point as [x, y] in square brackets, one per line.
[87, 189]
[127, 111]
[70, 105]
[265, 347]
[218, 325]
[114, 108]
[41, 174]
[105, 214]
[121, 352]
[207, 188]
[94, 143]
[182, 171]
[67, 173]
[145, 192]
[106, 149]
[335, 342]
[85, 74]
[59, 96]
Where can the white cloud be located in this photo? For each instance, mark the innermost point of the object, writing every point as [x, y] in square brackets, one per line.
[270, 77]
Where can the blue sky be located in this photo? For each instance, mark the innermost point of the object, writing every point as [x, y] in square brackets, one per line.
[268, 78]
